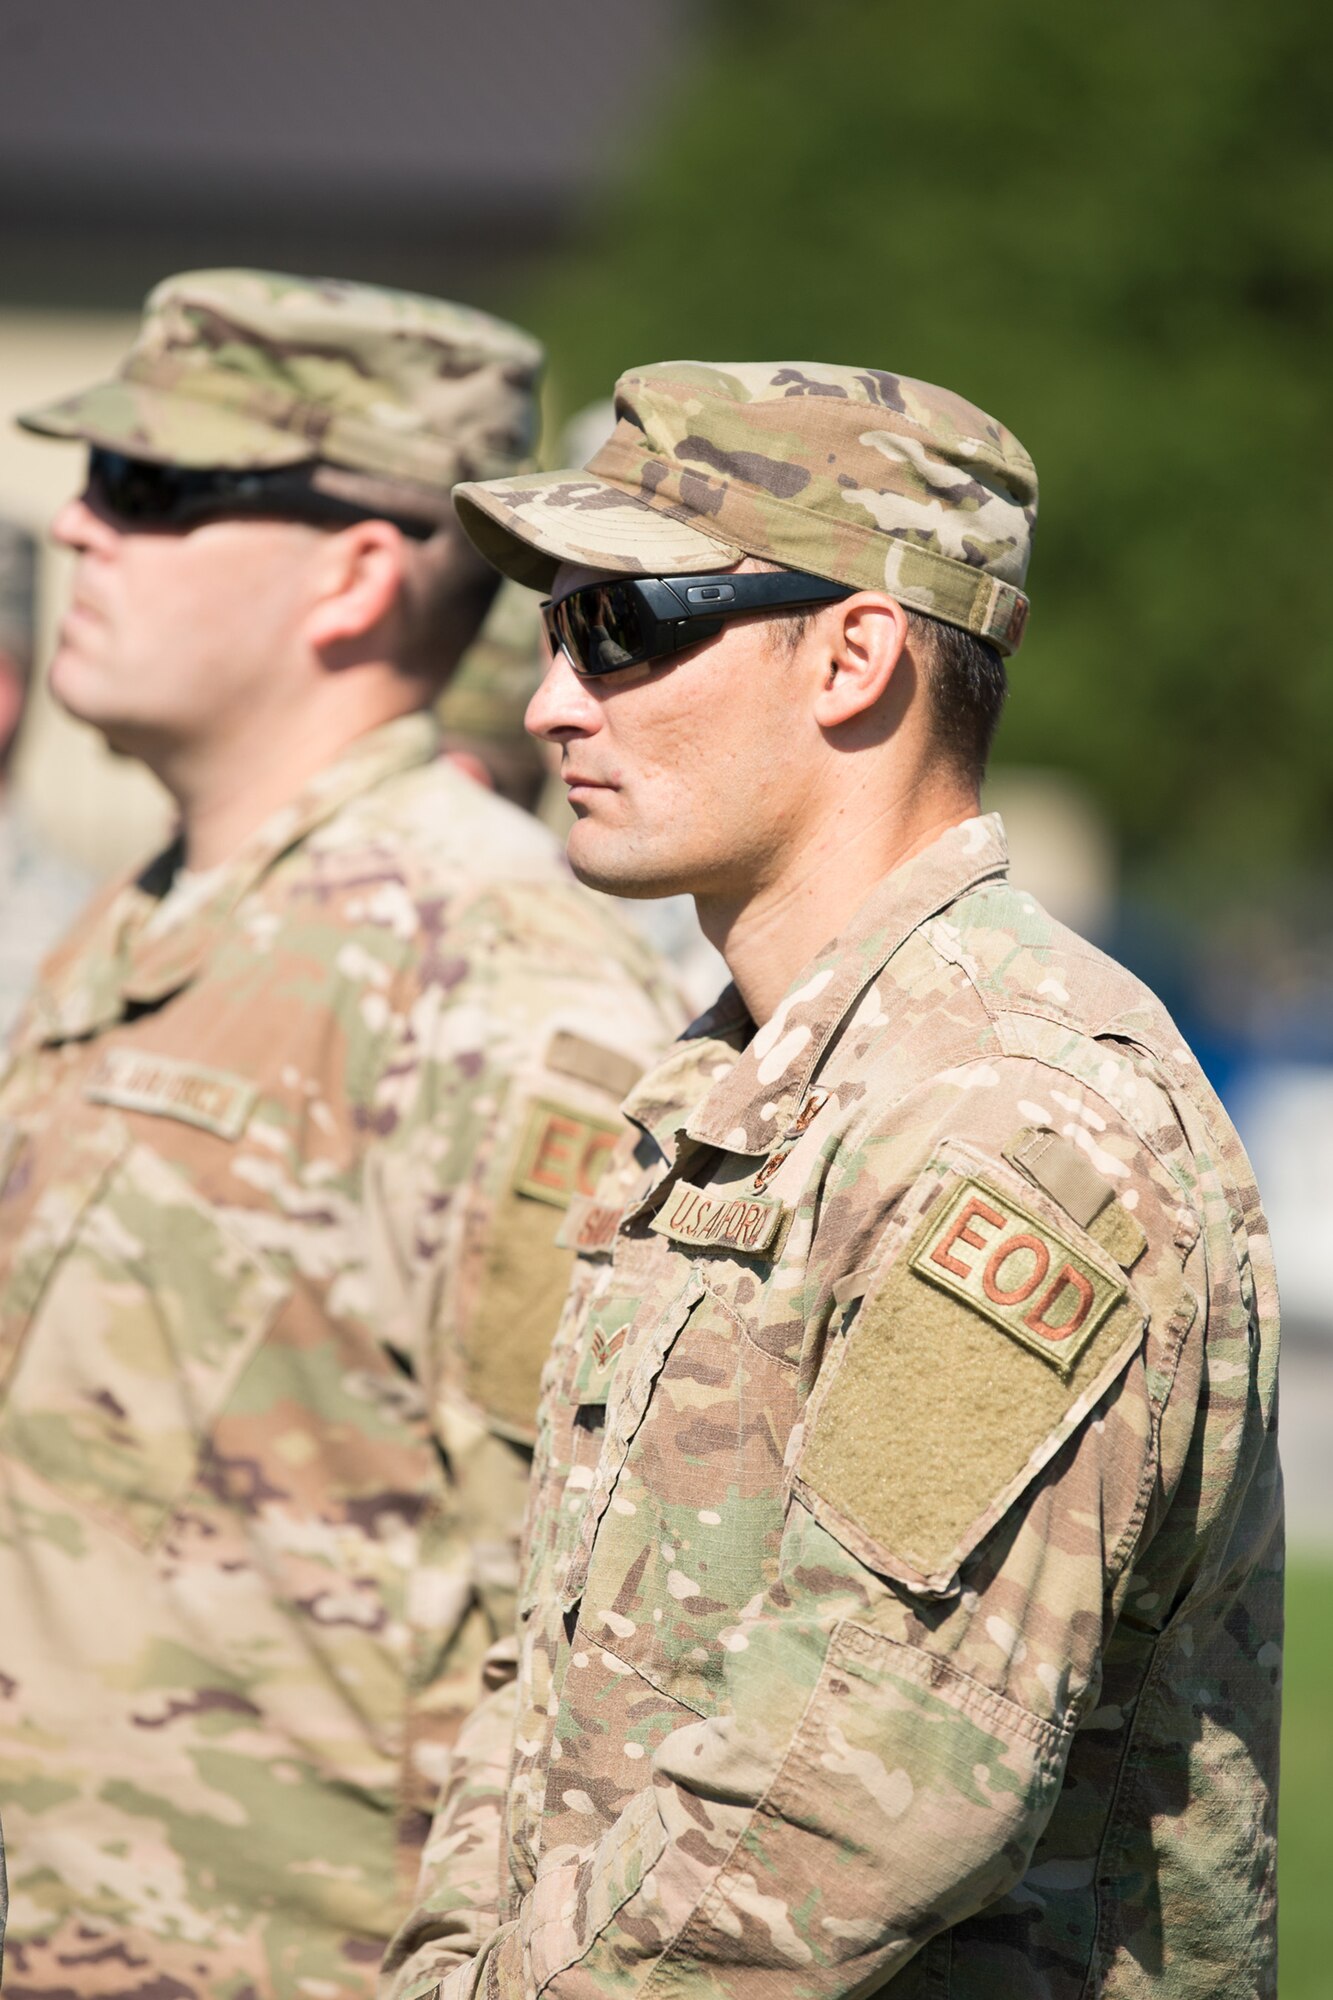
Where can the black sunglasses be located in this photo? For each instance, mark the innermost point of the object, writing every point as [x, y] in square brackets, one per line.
[144, 494]
[607, 626]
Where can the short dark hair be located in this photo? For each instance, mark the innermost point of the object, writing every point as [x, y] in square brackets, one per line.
[448, 589]
[965, 680]
[967, 684]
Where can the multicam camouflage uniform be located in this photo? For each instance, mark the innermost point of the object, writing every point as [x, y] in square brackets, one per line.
[901, 1592]
[282, 1152]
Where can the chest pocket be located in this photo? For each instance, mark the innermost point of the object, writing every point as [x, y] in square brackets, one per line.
[132, 1309]
[691, 1488]
[573, 1425]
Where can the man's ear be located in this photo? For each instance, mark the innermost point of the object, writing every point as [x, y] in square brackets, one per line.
[358, 577]
[860, 642]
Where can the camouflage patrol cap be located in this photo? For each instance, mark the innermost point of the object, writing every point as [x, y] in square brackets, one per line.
[871, 479]
[254, 369]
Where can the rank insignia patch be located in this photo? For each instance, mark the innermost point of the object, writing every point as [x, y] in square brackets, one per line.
[1018, 1271]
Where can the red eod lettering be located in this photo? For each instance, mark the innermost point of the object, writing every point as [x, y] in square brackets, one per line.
[1012, 1268]
[569, 1157]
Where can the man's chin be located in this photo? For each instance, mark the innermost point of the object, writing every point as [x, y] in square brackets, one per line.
[599, 865]
[75, 691]
[73, 688]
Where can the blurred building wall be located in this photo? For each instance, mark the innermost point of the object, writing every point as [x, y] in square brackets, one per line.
[96, 809]
[428, 143]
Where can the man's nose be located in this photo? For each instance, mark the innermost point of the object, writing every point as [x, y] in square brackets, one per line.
[78, 526]
[563, 706]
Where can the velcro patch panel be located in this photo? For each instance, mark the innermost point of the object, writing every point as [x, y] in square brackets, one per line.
[929, 1423]
[592, 1062]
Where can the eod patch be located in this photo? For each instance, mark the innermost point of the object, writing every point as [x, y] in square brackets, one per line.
[1022, 1274]
[563, 1152]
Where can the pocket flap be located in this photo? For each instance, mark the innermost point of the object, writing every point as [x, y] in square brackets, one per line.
[983, 1341]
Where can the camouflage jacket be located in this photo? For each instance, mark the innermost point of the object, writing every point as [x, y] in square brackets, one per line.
[281, 1162]
[901, 1593]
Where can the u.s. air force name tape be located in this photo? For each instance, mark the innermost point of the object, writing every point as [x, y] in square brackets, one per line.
[164, 1087]
[710, 1218]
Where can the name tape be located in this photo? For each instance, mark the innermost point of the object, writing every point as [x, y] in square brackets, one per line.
[1017, 1271]
[590, 1226]
[164, 1087]
[710, 1218]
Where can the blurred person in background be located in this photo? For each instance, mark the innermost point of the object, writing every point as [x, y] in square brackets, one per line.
[40, 893]
[903, 1576]
[287, 1131]
[481, 711]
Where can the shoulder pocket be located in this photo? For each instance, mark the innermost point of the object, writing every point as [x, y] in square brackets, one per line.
[143, 1307]
[989, 1330]
[560, 1155]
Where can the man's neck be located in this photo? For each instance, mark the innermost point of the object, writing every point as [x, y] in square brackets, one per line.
[767, 937]
[224, 798]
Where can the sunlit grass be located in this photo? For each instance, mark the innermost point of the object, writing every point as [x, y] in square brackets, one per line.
[1306, 1825]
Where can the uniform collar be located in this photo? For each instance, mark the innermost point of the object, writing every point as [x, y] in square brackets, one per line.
[748, 1108]
[118, 960]
[661, 1102]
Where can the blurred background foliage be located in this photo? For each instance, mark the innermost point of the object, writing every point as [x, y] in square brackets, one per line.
[1112, 230]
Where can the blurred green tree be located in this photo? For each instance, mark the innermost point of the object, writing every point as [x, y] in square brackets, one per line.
[1112, 229]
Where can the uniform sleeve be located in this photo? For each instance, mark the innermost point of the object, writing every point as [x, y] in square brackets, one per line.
[513, 1040]
[984, 1457]
[456, 1908]
[516, 1031]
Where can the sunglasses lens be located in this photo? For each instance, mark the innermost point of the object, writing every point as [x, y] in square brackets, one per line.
[148, 495]
[601, 628]
[134, 489]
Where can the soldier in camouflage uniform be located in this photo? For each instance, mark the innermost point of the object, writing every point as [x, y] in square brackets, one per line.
[284, 1142]
[481, 711]
[901, 1594]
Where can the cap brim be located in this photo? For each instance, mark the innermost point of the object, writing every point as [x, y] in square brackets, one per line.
[170, 428]
[528, 525]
